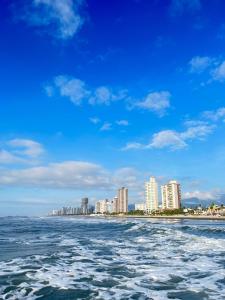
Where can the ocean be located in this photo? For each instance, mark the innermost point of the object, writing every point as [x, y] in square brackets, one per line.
[99, 258]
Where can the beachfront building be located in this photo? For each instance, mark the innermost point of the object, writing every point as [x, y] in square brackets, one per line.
[151, 195]
[140, 206]
[171, 195]
[97, 207]
[84, 206]
[122, 206]
[103, 206]
[115, 206]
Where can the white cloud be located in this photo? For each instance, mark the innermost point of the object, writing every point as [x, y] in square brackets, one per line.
[9, 158]
[76, 175]
[122, 123]
[60, 17]
[134, 145]
[214, 115]
[173, 140]
[77, 91]
[73, 88]
[219, 72]
[179, 6]
[167, 139]
[197, 132]
[191, 123]
[68, 174]
[95, 120]
[202, 195]
[20, 151]
[128, 177]
[199, 64]
[157, 102]
[29, 147]
[102, 96]
[106, 126]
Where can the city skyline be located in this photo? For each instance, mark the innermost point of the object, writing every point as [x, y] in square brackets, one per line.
[97, 95]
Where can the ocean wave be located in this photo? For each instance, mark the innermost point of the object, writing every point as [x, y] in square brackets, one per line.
[114, 259]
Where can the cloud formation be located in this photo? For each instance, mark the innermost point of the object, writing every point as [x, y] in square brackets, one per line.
[78, 92]
[213, 66]
[219, 72]
[199, 64]
[27, 147]
[174, 140]
[177, 7]
[20, 151]
[122, 122]
[77, 175]
[60, 18]
[157, 102]
[215, 115]
[203, 195]
[106, 126]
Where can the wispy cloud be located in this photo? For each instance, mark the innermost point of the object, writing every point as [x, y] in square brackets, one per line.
[122, 122]
[157, 102]
[199, 64]
[27, 147]
[174, 140]
[215, 115]
[214, 67]
[76, 175]
[219, 72]
[95, 120]
[60, 18]
[203, 195]
[78, 91]
[178, 7]
[23, 151]
[7, 157]
[106, 126]
[73, 88]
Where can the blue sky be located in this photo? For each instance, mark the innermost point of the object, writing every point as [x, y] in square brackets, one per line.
[99, 94]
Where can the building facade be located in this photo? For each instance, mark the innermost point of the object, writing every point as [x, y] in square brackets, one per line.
[103, 206]
[151, 195]
[84, 206]
[171, 195]
[122, 200]
[115, 206]
[140, 206]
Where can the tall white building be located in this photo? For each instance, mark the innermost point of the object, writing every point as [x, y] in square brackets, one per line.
[140, 206]
[151, 195]
[103, 206]
[115, 204]
[123, 200]
[171, 195]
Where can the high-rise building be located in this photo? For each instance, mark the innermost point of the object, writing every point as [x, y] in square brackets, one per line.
[151, 195]
[140, 206]
[84, 206]
[97, 207]
[103, 206]
[171, 195]
[123, 200]
[115, 205]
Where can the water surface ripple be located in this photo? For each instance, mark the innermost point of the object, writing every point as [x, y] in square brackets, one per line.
[97, 258]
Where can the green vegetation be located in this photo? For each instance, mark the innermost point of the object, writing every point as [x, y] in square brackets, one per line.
[136, 212]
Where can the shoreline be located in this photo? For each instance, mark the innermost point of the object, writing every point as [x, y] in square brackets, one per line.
[175, 217]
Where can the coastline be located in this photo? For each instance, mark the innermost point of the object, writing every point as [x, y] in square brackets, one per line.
[175, 217]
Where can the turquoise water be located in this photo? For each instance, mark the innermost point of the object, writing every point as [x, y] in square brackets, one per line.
[97, 258]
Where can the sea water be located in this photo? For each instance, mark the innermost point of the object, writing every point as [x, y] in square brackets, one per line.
[111, 258]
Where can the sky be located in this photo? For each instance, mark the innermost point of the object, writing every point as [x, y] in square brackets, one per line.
[96, 95]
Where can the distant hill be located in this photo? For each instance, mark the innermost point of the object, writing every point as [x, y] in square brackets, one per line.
[192, 202]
